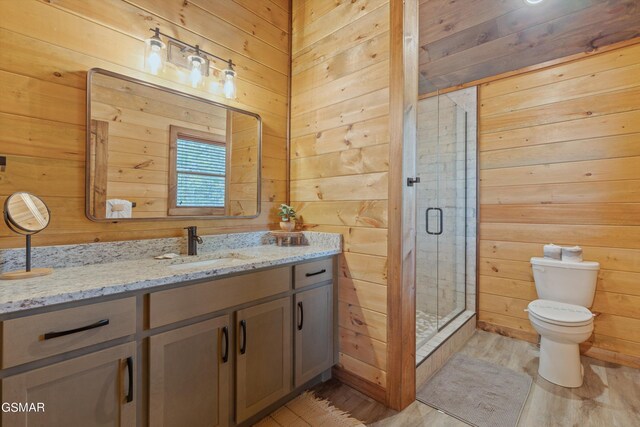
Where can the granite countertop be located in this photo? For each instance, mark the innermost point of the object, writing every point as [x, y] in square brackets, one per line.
[80, 282]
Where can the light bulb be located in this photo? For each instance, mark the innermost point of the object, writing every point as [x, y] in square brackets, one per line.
[198, 64]
[154, 53]
[196, 73]
[229, 87]
[154, 60]
[229, 83]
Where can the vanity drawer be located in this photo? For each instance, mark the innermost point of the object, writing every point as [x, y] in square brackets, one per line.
[174, 305]
[30, 338]
[313, 272]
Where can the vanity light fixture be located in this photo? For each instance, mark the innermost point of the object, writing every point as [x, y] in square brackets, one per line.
[196, 60]
[229, 81]
[155, 53]
[197, 64]
[533, 1]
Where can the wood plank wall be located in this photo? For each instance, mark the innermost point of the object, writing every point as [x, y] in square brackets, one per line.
[560, 162]
[339, 161]
[464, 41]
[47, 46]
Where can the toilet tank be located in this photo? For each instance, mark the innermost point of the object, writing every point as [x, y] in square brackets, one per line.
[565, 281]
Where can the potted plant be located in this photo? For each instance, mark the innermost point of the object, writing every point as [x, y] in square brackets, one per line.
[287, 217]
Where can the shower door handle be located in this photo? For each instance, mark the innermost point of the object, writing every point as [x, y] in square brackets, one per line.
[440, 217]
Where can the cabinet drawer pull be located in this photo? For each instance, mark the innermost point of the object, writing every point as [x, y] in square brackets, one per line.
[324, 270]
[99, 323]
[129, 397]
[225, 353]
[301, 321]
[243, 336]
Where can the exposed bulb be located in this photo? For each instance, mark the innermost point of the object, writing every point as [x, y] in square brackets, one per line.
[154, 53]
[154, 60]
[229, 87]
[196, 72]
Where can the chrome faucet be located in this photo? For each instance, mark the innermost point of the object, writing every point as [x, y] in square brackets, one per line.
[193, 240]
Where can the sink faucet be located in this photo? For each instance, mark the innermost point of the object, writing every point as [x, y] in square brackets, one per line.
[193, 240]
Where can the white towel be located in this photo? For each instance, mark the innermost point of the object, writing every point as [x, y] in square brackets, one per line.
[552, 251]
[572, 253]
[117, 208]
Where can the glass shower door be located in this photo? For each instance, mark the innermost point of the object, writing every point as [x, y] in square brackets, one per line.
[427, 165]
[447, 221]
[441, 204]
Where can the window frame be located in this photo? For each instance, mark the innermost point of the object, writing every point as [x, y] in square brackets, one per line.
[178, 132]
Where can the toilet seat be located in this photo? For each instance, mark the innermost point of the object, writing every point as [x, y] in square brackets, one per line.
[560, 313]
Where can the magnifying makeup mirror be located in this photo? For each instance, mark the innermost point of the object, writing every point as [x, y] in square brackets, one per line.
[26, 214]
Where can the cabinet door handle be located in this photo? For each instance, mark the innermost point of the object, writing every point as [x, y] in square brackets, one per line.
[225, 336]
[301, 319]
[316, 273]
[243, 336]
[99, 323]
[129, 397]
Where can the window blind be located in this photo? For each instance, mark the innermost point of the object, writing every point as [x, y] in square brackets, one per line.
[200, 170]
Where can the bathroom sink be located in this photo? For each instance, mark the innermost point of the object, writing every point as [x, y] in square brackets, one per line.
[217, 260]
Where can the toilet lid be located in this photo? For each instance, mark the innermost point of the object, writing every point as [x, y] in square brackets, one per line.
[560, 312]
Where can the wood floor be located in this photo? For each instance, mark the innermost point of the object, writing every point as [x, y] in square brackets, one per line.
[610, 396]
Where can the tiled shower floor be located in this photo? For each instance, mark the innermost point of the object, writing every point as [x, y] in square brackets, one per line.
[427, 343]
[426, 327]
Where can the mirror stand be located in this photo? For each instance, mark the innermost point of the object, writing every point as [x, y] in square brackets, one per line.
[28, 272]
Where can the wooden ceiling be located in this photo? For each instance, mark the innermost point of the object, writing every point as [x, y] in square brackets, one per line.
[466, 40]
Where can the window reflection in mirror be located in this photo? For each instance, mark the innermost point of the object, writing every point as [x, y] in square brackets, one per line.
[197, 173]
[157, 153]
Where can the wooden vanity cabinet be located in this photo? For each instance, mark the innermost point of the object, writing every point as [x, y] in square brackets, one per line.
[263, 359]
[190, 374]
[92, 390]
[264, 340]
[313, 333]
[220, 352]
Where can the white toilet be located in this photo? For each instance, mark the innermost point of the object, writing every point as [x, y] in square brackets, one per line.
[561, 316]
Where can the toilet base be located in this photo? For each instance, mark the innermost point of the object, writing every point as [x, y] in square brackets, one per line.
[560, 363]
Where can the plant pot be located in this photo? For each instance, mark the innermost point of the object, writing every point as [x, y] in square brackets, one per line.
[287, 225]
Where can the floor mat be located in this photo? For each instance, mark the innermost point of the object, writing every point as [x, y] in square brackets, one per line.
[477, 392]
